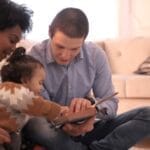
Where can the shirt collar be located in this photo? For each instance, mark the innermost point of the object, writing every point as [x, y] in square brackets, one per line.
[80, 56]
[49, 57]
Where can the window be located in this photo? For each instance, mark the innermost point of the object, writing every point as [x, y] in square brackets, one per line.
[103, 19]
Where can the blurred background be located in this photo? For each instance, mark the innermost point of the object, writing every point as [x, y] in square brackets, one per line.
[107, 18]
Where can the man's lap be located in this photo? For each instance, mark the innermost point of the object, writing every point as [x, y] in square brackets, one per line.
[39, 130]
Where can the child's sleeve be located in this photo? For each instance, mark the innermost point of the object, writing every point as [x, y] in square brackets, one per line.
[18, 98]
[41, 107]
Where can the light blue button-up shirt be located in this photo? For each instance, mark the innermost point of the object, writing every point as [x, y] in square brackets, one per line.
[89, 70]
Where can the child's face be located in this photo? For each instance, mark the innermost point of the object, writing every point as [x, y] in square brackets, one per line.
[35, 84]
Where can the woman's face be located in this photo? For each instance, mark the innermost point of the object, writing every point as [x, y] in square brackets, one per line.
[8, 40]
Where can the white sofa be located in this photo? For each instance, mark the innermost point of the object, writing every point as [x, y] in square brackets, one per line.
[125, 56]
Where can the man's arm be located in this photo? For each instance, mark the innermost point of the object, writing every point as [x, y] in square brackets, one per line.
[102, 86]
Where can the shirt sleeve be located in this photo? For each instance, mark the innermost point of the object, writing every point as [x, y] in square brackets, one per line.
[103, 85]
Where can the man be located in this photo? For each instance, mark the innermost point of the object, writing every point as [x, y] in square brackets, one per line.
[73, 68]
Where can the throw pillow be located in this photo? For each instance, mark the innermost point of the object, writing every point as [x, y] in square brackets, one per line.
[144, 68]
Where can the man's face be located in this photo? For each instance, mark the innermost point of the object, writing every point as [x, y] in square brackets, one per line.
[8, 40]
[64, 48]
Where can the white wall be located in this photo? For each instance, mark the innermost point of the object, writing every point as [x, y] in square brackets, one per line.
[134, 18]
[102, 15]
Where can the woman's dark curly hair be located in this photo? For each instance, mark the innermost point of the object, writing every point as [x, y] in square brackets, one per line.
[20, 66]
[12, 14]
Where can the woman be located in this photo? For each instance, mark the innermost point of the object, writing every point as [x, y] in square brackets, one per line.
[15, 20]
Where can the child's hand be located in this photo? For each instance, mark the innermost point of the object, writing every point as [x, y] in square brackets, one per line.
[64, 110]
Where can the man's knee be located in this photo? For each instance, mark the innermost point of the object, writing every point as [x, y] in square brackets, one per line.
[144, 113]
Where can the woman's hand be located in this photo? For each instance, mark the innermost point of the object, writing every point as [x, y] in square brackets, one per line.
[4, 136]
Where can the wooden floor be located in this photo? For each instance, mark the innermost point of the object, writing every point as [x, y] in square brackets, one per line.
[126, 105]
[135, 148]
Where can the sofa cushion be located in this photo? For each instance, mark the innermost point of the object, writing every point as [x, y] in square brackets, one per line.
[137, 86]
[125, 55]
[144, 68]
[119, 84]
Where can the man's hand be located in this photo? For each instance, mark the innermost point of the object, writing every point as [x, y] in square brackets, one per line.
[4, 136]
[77, 105]
[79, 129]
